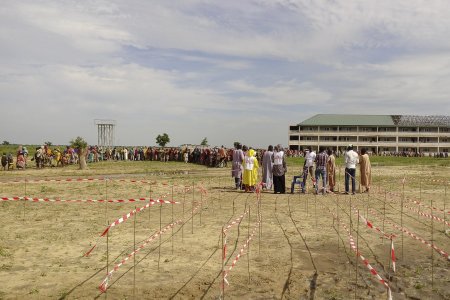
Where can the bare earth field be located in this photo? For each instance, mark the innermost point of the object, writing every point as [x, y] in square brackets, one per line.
[298, 251]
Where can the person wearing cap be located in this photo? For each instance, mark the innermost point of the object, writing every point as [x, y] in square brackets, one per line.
[351, 159]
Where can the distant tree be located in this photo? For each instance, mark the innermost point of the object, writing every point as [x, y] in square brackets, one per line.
[48, 143]
[204, 142]
[81, 145]
[162, 140]
[5, 143]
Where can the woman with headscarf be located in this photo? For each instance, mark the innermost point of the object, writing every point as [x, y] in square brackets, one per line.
[267, 165]
[251, 166]
[279, 169]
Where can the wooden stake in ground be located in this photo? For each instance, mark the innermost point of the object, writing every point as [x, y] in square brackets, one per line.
[106, 201]
[24, 202]
[223, 265]
[150, 200]
[432, 243]
[160, 228]
[192, 208]
[107, 257]
[248, 248]
[356, 256]
[201, 207]
[401, 213]
[339, 181]
[182, 225]
[134, 256]
[445, 200]
[384, 211]
[337, 222]
[172, 220]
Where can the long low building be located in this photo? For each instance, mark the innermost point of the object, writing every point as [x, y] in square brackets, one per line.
[377, 133]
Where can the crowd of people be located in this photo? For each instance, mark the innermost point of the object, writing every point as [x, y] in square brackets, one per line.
[321, 166]
[245, 162]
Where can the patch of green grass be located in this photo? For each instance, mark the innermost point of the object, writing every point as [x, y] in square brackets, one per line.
[386, 161]
[4, 252]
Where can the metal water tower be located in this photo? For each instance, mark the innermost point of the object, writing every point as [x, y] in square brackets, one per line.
[105, 131]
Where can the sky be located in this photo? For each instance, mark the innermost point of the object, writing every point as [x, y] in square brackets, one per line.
[229, 71]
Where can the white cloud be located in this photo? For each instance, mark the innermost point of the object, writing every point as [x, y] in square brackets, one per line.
[221, 69]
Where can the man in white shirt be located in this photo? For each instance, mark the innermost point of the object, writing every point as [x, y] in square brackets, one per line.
[310, 157]
[351, 158]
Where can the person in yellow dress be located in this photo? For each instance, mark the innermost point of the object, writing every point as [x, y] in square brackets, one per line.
[250, 175]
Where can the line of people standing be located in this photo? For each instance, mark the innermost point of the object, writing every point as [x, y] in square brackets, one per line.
[273, 168]
[245, 167]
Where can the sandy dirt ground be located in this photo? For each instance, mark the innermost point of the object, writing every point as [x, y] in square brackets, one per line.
[298, 251]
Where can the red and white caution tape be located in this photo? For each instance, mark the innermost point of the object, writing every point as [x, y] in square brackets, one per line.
[419, 203]
[364, 260]
[247, 242]
[104, 285]
[427, 215]
[32, 199]
[418, 238]
[430, 180]
[53, 180]
[366, 263]
[126, 217]
[393, 259]
[231, 224]
[370, 225]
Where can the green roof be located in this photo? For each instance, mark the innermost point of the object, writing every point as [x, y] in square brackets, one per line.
[348, 120]
[376, 120]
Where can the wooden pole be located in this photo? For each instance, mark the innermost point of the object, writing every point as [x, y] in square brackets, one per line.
[384, 211]
[192, 208]
[223, 265]
[149, 201]
[172, 219]
[401, 213]
[356, 256]
[432, 243]
[134, 256]
[107, 257]
[160, 228]
[248, 249]
[106, 200]
[445, 200]
[182, 226]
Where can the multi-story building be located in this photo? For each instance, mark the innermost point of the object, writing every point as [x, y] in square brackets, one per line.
[377, 133]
